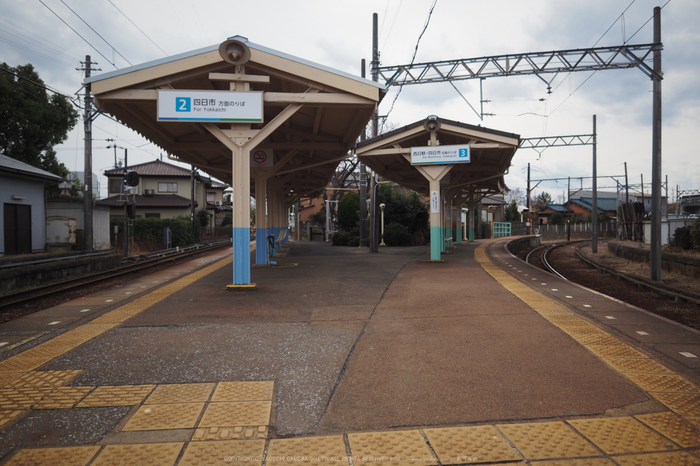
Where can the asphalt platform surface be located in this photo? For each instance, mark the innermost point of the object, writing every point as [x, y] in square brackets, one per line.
[357, 342]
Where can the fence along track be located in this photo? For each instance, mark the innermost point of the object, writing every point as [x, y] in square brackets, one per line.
[152, 260]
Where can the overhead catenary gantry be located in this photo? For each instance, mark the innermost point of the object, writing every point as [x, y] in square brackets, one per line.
[646, 57]
[310, 117]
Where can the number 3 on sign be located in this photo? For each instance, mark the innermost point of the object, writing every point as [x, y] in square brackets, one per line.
[183, 104]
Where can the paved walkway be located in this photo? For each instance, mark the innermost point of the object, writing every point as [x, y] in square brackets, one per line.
[345, 356]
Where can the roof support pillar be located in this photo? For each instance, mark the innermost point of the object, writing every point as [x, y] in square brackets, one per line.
[434, 173]
[260, 176]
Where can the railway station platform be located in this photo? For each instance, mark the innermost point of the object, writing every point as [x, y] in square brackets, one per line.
[344, 357]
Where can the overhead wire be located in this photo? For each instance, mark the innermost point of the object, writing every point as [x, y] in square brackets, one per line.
[594, 72]
[78, 34]
[136, 26]
[33, 43]
[415, 51]
[13, 72]
[93, 30]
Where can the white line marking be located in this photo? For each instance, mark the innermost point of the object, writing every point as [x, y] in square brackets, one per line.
[688, 355]
[587, 305]
[554, 289]
[109, 300]
[55, 322]
[642, 333]
[569, 297]
[611, 317]
[3, 343]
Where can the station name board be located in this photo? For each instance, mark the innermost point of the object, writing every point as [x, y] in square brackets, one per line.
[237, 107]
[439, 154]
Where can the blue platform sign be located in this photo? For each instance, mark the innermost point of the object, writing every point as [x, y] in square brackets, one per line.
[440, 154]
[230, 106]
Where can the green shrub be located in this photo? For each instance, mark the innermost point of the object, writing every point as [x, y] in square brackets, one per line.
[148, 232]
[396, 234]
[682, 238]
[341, 238]
[203, 218]
[227, 221]
[348, 211]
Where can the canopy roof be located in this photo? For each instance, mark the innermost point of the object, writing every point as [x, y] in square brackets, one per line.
[491, 152]
[335, 109]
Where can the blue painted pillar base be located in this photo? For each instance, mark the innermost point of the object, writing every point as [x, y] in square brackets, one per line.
[459, 235]
[437, 242]
[241, 256]
[261, 246]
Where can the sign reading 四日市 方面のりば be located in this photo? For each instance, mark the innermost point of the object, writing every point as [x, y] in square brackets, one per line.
[241, 107]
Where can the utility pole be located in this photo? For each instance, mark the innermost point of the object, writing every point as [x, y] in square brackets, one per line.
[192, 196]
[88, 116]
[374, 240]
[655, 256]
[363, 188]
[594, 204]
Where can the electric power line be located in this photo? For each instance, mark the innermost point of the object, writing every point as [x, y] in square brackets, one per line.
[98, 34]
[134, 24]
[13, 72]
[415, 51]
[591, 75]
[76, 32]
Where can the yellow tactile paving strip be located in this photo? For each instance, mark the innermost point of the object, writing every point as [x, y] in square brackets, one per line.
[181, 393]
[243, 452]
[396, 448]
[119, 395]
[165, 417]
[230, 421]
[315, 450]
[479, 444]
[156, 454]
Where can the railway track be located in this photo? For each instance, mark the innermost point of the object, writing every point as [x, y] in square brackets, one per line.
[24, 297]
[566, 260]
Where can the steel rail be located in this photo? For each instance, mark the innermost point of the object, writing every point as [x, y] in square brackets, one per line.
[26, 296]
[639, 281]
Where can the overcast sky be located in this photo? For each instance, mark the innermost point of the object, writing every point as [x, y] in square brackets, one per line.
[339, 34]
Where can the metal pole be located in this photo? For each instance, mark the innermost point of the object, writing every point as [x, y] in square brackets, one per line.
[594, 204]
[374, 240]
[192, 196]
[527, 200]
[87, 200]
[363, 189]
[126, 215]
[655, 257]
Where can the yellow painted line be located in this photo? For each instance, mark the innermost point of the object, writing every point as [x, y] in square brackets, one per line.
[33, 358]
[674, 391]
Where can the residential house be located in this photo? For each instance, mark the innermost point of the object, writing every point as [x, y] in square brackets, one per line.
[23, 215]
[583, 206]
[165, 191]
[544, 214]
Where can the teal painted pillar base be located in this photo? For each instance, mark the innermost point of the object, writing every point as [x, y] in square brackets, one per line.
[459, 235]
[471, 234]
[261, 246]
[437, 242]
[241, 256]
[442, 239]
